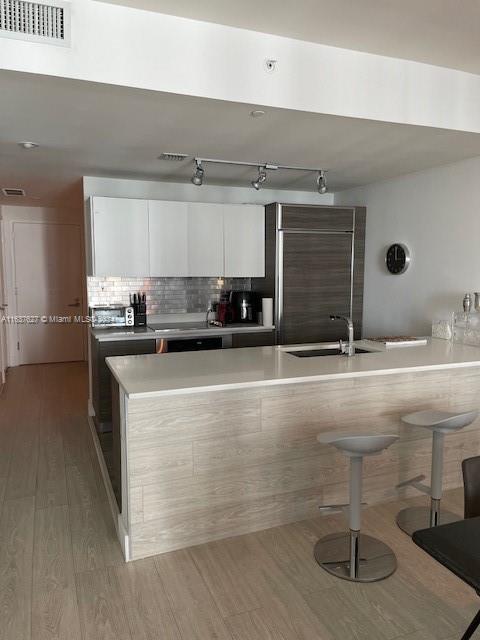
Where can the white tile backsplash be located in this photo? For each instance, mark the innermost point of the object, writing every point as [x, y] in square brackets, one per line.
[164, 295]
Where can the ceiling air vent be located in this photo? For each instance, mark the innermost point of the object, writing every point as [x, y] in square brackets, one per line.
[13, 192]
[173, 157]
[36, 21]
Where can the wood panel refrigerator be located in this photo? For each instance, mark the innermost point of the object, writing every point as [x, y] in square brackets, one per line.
[314, 268]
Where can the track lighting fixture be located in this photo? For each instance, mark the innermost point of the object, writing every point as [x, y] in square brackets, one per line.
[262, 168]
[322, 182]
[261, 178]
[197, 178]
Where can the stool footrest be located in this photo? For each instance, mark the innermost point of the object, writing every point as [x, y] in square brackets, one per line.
[417, 484]
[332, 507]
[336, 508]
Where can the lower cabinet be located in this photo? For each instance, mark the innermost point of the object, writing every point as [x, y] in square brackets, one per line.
[260, 339]
[111, 444]
[101, 377]
[101, 382]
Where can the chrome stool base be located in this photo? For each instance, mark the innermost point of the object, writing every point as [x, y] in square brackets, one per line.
[355, 556]
[414, 519]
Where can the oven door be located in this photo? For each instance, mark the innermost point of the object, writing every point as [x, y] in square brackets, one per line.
[177, 345]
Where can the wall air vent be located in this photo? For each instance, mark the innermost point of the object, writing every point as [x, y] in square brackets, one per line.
[173, 157]
[47, 22]
[9, 192]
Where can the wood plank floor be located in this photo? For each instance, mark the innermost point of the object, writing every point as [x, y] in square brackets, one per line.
[62, 576]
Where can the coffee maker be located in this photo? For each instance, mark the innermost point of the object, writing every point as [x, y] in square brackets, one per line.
[224, 308]
[243, 306]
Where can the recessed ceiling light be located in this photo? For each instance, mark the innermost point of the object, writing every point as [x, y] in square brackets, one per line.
[257, 113]
[28, 145]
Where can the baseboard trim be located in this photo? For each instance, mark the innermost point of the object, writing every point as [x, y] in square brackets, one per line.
[124, 539]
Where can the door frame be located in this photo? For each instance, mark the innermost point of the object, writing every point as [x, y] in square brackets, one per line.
[4, 309]
[13, 359]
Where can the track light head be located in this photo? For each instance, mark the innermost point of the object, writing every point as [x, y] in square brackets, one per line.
[322, 182]
[261, 178]
[197, 178]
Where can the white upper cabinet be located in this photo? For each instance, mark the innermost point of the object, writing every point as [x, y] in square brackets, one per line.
[244, 241]
[157, 238]
[205, 239]
[168, 238]
[120, 245]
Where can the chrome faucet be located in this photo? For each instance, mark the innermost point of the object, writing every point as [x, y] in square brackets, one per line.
[209, 311]
[347, 349]
[208, 322]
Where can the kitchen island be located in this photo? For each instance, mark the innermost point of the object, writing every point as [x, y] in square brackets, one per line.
[217, 443]
[167, 335]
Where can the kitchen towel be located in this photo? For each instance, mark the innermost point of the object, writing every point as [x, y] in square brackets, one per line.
[267, 312]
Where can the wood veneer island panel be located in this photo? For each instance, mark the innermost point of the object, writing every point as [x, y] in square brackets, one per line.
[209, 465]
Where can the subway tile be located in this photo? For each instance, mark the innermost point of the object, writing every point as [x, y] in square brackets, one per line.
[165, 295]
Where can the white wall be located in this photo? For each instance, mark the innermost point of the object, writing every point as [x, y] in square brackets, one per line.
[9, 215]
[437, 214]
[187, 192]
[124, 46]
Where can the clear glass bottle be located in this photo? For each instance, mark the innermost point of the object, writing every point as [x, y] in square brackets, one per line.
[467, 303]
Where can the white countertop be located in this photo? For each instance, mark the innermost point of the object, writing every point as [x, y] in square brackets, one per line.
[145, 333]
[201, 371]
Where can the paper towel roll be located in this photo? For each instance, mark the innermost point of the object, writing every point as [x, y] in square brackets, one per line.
[267, 311]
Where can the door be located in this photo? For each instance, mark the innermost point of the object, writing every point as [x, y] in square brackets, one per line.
[244, 229]
[316, 283]
[48, 284]
[205, 240]
[120, 237]
[168, 226]
[3, 313]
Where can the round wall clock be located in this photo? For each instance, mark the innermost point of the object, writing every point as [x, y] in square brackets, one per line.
[397, 258]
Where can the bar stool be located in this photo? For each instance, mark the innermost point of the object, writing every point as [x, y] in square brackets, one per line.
[440, 423]
[353, 555]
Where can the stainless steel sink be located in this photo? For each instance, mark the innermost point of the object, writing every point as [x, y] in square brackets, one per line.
[314, 353]
[321, 349]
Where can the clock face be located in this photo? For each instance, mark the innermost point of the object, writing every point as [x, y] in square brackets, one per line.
[397, 258]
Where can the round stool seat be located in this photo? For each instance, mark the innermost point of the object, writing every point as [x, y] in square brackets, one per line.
[440, 424]
[354, 445]
[443, 421]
